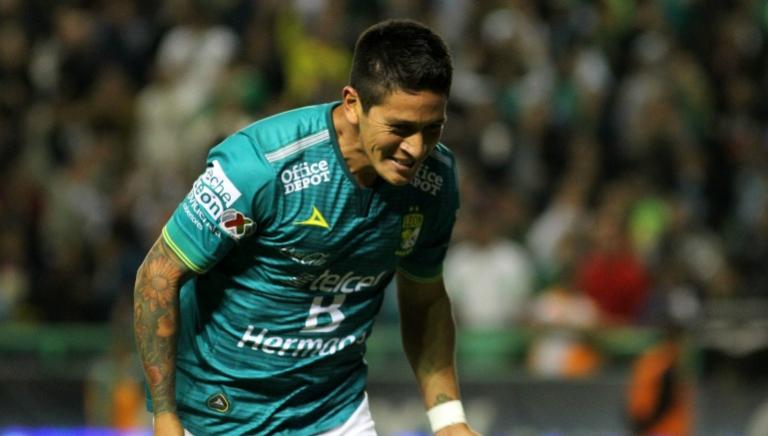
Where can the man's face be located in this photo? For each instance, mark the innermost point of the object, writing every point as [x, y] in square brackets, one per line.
[398, 134]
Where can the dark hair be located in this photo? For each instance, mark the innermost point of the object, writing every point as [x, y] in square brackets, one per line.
[399, 55]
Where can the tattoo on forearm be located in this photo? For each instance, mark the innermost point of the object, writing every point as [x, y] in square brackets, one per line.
[442, 398]
[155, 324]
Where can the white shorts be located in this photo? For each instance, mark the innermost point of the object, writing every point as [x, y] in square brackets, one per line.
[360, 423]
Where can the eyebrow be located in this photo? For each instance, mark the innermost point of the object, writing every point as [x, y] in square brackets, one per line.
[406, 123]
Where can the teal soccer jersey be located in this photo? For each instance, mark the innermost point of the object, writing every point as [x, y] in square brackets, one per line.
[292, 257]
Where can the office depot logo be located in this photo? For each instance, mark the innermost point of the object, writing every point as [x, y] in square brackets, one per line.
[302, 176]
[427, 180]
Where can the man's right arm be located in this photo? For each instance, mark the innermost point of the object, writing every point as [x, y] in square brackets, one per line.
[156, 322]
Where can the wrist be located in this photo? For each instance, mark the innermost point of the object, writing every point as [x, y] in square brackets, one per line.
[445, 414]
[163, 414]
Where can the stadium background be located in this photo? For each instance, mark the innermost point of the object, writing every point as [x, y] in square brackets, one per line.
[614, 161]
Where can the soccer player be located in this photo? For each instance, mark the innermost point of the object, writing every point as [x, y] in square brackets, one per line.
[253, 307]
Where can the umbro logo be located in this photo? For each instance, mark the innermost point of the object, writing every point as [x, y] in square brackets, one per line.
[315, 219]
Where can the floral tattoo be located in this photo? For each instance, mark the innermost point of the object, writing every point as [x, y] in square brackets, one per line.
[155, 322]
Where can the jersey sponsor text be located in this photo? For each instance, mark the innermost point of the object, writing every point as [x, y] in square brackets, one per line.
[427, 181]
[198, 217]
[303, 175]
[347, 283]
[296, 347]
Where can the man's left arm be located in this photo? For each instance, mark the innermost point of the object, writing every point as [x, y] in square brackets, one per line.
[428, 334]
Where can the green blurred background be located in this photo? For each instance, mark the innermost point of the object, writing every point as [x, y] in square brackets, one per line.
[614, 165]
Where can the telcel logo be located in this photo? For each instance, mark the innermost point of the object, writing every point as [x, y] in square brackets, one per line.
[346, 284]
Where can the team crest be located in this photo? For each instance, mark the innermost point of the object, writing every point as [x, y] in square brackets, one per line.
[236, 224]
[218, 402]
[409, 233]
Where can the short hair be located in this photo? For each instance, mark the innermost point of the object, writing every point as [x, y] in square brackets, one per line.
[398, 55]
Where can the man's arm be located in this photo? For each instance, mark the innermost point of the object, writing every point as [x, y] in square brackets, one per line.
[156, 322]
[428, 332]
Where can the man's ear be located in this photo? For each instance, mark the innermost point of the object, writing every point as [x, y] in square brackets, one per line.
[352, 105]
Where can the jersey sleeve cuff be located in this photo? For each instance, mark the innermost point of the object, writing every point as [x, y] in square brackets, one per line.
[418, 278]
[178, 252]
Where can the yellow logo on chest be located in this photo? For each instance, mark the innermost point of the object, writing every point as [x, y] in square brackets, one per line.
[316, 219]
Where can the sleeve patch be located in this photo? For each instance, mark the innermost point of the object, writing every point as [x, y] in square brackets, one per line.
[214, 191]
[236, 224]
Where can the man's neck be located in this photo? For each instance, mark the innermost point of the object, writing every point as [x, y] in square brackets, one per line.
[352, 149]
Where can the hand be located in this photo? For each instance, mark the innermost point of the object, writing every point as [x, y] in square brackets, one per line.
[457, 430]
[168, 424]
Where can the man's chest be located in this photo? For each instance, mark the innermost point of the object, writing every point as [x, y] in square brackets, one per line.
[343, 240]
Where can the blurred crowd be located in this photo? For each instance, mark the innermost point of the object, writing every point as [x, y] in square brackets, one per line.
[613, 154]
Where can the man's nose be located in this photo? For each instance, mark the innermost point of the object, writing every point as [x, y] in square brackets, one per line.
[414, 145]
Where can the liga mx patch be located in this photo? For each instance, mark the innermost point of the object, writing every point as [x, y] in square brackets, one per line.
[218, 402]
[236, 224]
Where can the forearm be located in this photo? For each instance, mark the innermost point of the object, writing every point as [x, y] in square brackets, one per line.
[156, 309]
[428, 333]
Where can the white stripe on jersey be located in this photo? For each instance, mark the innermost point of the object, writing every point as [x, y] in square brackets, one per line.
[297, 146]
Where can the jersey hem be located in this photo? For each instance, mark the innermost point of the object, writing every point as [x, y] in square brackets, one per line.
[332, 425]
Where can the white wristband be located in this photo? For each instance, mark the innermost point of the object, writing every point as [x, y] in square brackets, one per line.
[443, 415]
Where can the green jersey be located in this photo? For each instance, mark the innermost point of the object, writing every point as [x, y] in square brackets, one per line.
[292, 257]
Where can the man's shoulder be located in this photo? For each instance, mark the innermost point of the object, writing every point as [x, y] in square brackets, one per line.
[285, 134]
[442, 159]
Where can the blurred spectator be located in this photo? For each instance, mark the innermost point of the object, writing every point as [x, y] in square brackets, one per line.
[758, 421]
[172, 124]
[611, 273]
[15, 89]
[114, 389]
[700, 251]
[753, 256]
[660, 392]
[20, 248]
[567, 213]
[14, 283]
[309, 44]
[131, 35]
[489, 276]
[563, 318]
[104, 105]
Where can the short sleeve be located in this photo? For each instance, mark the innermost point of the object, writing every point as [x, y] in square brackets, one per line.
[425, 263]
[227, 202]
